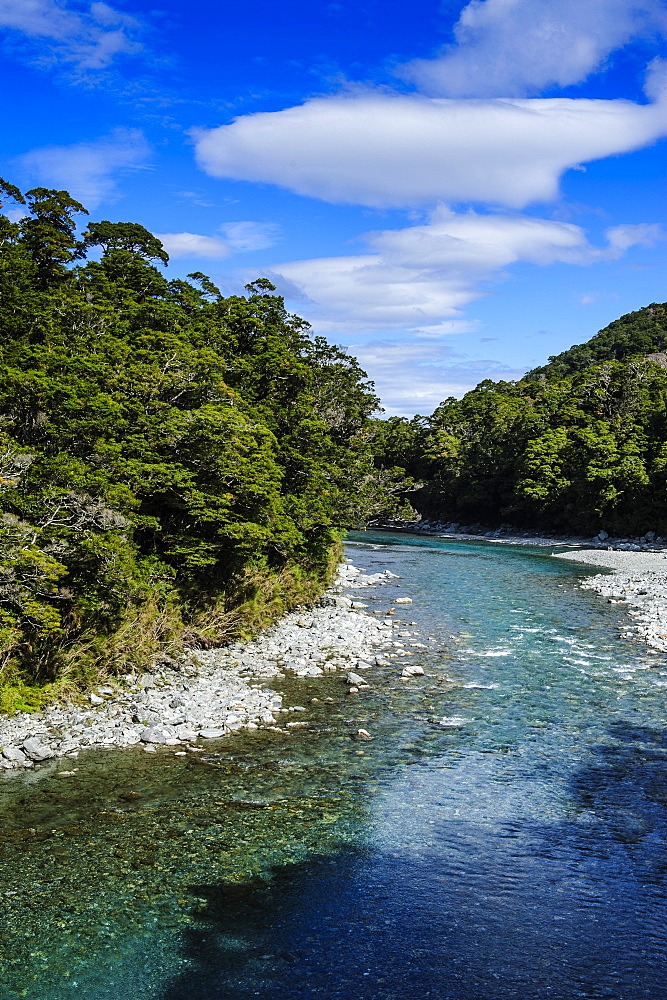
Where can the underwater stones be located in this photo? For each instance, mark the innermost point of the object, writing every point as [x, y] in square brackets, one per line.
[412, 670]
[363, 736]
[356, 679]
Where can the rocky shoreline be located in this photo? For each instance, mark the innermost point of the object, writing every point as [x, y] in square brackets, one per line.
[510, 535]
[639, 567]
[639, 579]
[210, 694]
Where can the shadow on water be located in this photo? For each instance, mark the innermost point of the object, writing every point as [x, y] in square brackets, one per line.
[502, 910]
[624, 788]
[503, 837]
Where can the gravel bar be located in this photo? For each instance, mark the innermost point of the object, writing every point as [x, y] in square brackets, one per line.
[639, 579]
[210, 694]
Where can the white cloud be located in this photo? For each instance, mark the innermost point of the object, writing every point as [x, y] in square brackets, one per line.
[240, 237]
[396, 150]
[421, 277]
[192, 245]
[644, 234]
[91, 39]
[245, 236]
[87, 169]
[517, 47]
[415, 377]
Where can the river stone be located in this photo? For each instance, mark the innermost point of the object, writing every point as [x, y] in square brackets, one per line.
[13, 753]
[412, 671]
[185, 732]
[211, 734]
[37, 750]
[403, 600]
[353, 678]
[148, 717]
[95, 699]
[155, 734]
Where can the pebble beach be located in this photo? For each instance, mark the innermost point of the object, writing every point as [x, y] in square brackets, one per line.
[208, 695]
[638, 579]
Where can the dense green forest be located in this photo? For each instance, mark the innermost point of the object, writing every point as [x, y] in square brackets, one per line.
[176, 466]
[577, 445]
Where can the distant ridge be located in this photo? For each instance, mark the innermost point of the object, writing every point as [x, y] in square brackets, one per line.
[643, 333]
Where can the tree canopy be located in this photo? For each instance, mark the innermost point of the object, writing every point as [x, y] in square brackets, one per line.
[167, 454]
[576, 445]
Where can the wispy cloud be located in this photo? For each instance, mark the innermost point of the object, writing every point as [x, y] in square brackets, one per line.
[512, 48]
[193, 245]
[415, 378]
[645, 234]
[240, 237]
[421, 278]
[246, 236]
[89, 40]
[88, 170]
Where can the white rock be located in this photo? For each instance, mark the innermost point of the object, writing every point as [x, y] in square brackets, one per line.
[36, 750]
[155, 734]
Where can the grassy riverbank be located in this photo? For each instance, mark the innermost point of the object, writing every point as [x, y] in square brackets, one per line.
[156, 633]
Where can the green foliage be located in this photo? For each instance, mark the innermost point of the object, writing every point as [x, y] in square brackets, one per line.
[576, 445]
[637, 333]
[161, 448]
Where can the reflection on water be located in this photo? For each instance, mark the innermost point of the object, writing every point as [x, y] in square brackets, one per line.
[502, 837]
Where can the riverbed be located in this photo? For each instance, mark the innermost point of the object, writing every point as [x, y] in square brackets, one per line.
[501, 835]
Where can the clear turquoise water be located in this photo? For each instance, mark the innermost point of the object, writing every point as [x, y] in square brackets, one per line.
[504, 835]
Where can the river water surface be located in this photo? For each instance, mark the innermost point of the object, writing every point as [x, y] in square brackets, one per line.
[503, 836]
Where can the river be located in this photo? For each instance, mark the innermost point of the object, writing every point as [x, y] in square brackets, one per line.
[503, 836]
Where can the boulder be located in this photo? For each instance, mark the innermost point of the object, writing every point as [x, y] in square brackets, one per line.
[36, 750]
[155, 734]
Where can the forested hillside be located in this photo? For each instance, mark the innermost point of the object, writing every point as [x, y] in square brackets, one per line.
[175, 465]
[577, 445]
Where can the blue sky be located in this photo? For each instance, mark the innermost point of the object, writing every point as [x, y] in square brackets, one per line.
[451, 191]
